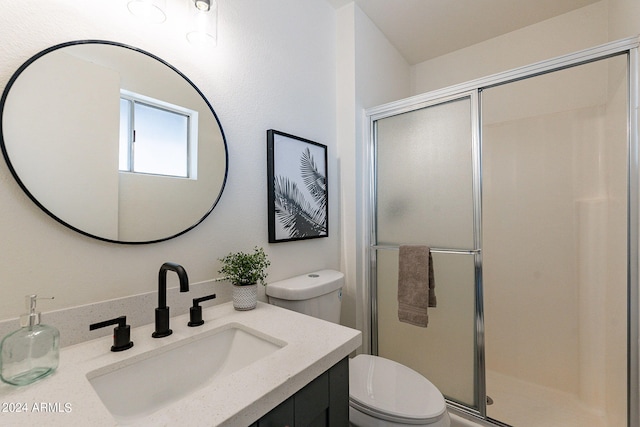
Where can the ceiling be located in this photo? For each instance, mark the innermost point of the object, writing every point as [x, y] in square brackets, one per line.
[425, 29]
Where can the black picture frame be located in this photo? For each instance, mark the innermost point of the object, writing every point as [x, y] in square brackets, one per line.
[297, 188]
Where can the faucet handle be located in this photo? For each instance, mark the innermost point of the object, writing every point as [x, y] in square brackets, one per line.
[121, 333]
[195, 312]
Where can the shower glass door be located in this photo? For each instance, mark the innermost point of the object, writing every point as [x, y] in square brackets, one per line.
[425, 196]
[525, 186]
[554, 221]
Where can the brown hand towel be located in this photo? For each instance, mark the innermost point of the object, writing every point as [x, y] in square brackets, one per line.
[416, 285]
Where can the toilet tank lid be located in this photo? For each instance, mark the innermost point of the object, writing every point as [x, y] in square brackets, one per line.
[306, 286]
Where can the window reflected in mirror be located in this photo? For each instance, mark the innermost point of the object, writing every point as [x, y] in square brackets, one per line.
[156, 137]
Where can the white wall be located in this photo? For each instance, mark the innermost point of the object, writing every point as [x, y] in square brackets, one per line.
[274, 67]
[370, 72]
[573, 31]
[624, 18]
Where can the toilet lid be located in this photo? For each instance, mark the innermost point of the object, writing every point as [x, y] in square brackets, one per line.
[389, 390]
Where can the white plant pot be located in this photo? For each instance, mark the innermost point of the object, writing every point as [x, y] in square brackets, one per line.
[245, 297]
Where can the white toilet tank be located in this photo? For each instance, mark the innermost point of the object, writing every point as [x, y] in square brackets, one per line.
[318, 294]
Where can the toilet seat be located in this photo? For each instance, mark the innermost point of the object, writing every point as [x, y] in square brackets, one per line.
[387, 390]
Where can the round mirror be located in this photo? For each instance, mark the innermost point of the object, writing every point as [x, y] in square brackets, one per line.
[113, 142]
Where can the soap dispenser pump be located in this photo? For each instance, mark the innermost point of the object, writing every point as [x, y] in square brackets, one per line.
[31, 352]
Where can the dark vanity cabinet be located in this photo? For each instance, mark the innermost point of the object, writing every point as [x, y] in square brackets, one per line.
[324, 402]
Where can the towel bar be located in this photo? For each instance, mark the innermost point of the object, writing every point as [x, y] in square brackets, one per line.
[434, 250]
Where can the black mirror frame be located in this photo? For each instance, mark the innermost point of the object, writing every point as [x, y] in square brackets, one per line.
[5, 154]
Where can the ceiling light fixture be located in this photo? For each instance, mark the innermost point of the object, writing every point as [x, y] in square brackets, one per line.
[203, 23]
[203, 5]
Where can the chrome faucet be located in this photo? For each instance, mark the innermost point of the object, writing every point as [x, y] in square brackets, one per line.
[162, 312]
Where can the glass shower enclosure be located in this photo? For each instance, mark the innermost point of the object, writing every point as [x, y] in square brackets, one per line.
[523, 185]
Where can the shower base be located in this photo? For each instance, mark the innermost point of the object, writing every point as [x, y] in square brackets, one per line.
[524, 404]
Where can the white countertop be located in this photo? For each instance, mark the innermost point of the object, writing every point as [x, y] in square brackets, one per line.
[66, 398]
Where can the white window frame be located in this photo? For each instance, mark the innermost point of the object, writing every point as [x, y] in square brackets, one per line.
[192, 131]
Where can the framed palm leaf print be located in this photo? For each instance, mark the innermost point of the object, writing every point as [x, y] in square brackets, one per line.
[297, 188]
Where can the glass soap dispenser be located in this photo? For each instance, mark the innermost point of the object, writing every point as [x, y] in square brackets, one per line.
[31, 352]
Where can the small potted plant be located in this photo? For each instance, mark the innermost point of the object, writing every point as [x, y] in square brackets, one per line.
[244, 271]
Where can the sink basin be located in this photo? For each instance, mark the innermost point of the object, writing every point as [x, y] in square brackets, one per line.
[143, 384]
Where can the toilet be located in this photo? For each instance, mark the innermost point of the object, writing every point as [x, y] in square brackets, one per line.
[382, 393]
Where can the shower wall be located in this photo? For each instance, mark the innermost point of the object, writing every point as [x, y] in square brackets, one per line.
[533, 255]
[554, 224]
